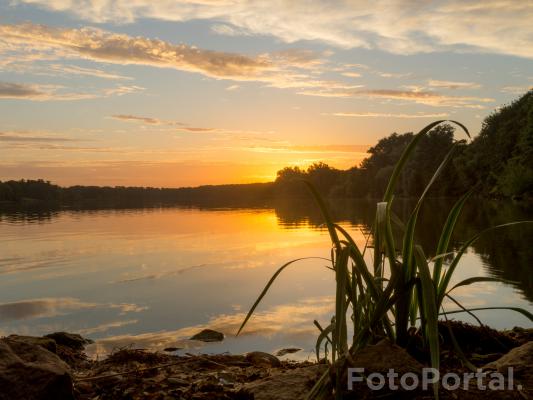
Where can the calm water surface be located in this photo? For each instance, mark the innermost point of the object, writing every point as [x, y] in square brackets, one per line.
[154, 277]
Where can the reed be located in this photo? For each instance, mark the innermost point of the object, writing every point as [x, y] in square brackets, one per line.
[401, 290]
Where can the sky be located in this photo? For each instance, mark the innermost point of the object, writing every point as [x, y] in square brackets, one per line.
[189, 92]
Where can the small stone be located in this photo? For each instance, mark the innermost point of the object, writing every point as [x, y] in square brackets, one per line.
[289, 350]
[260, 358]
[172, 349]
[208, 335]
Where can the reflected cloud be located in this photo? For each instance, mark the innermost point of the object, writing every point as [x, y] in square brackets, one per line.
[51, 307]
[292, 321]
[107, 326]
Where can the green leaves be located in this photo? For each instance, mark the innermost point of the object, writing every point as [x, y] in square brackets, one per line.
[381, 293]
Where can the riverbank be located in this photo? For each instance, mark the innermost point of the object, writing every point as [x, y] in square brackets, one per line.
[56, 367]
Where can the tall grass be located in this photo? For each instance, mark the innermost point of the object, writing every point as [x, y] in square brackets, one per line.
[401, 290]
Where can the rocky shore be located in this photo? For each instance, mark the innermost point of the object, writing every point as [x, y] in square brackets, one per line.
[55, 367]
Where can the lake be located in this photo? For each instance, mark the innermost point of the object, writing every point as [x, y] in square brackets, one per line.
[153, 277]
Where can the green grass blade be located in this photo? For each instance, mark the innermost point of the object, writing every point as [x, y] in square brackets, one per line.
[447, 231]
[322, 336]
[445, 281]
[325, 213]
[525, 313]
[430, 310]
[478, 279]
[270, 282]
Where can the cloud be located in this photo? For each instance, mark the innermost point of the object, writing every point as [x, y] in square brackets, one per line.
[31, 137]
[177, 126]
[453, 84]
[232, 87]
[135, 118]
[75, 70]
[352, 74]
[34, 92]
[99, 45]
[20, 91]
[398, 26]
[281, 69]
[388, 115]
[393, 74]
[106, 327]
[49, 307]
[516, 90]
[288, 321]
[417, 96]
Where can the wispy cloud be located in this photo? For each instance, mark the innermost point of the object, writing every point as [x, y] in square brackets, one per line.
[177, 126]
[453, 84]
[31, 137]
[110, 47]
[76, 70]
[516, 90]
[35, 92]
[417, 96]
[49, 307]
[10, 90]
[388, 115]
[291, 68]
[399, 26]
[136, 118]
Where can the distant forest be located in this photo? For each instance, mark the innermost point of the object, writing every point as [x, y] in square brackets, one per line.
[499, 161]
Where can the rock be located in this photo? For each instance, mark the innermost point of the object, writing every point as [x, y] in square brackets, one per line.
[260, 358]
[30, 372]
[72, 340]
[289, 350]
[379, 358]
[47, 343]
[521, 360]
[383, 356]
[172, 349]
[293, 384]
[208, 335]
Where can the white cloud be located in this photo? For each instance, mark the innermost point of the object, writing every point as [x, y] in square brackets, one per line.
[453, 84]
[415, 95]
[35, 92]
[398, 26]
[517, 90]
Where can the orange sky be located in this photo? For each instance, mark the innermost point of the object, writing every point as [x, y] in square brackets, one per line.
[190, 92]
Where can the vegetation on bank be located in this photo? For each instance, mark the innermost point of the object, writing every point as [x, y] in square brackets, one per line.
[499, 162]
[400, 293]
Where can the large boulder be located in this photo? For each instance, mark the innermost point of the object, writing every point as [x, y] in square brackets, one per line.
[30, 372]
[72, 340]
[47, 343]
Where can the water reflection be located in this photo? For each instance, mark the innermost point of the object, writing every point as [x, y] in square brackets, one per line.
[155, 276]
[506, 253]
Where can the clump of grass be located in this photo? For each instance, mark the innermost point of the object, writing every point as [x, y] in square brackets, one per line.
[401, 289]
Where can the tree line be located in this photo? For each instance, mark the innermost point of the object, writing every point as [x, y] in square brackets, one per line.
[499, 162]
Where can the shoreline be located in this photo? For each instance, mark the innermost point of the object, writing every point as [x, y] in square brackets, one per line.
[56, 367]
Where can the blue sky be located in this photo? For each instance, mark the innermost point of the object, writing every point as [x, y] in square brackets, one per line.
[173, 93]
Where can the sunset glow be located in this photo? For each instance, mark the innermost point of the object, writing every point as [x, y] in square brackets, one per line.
[190, 92]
